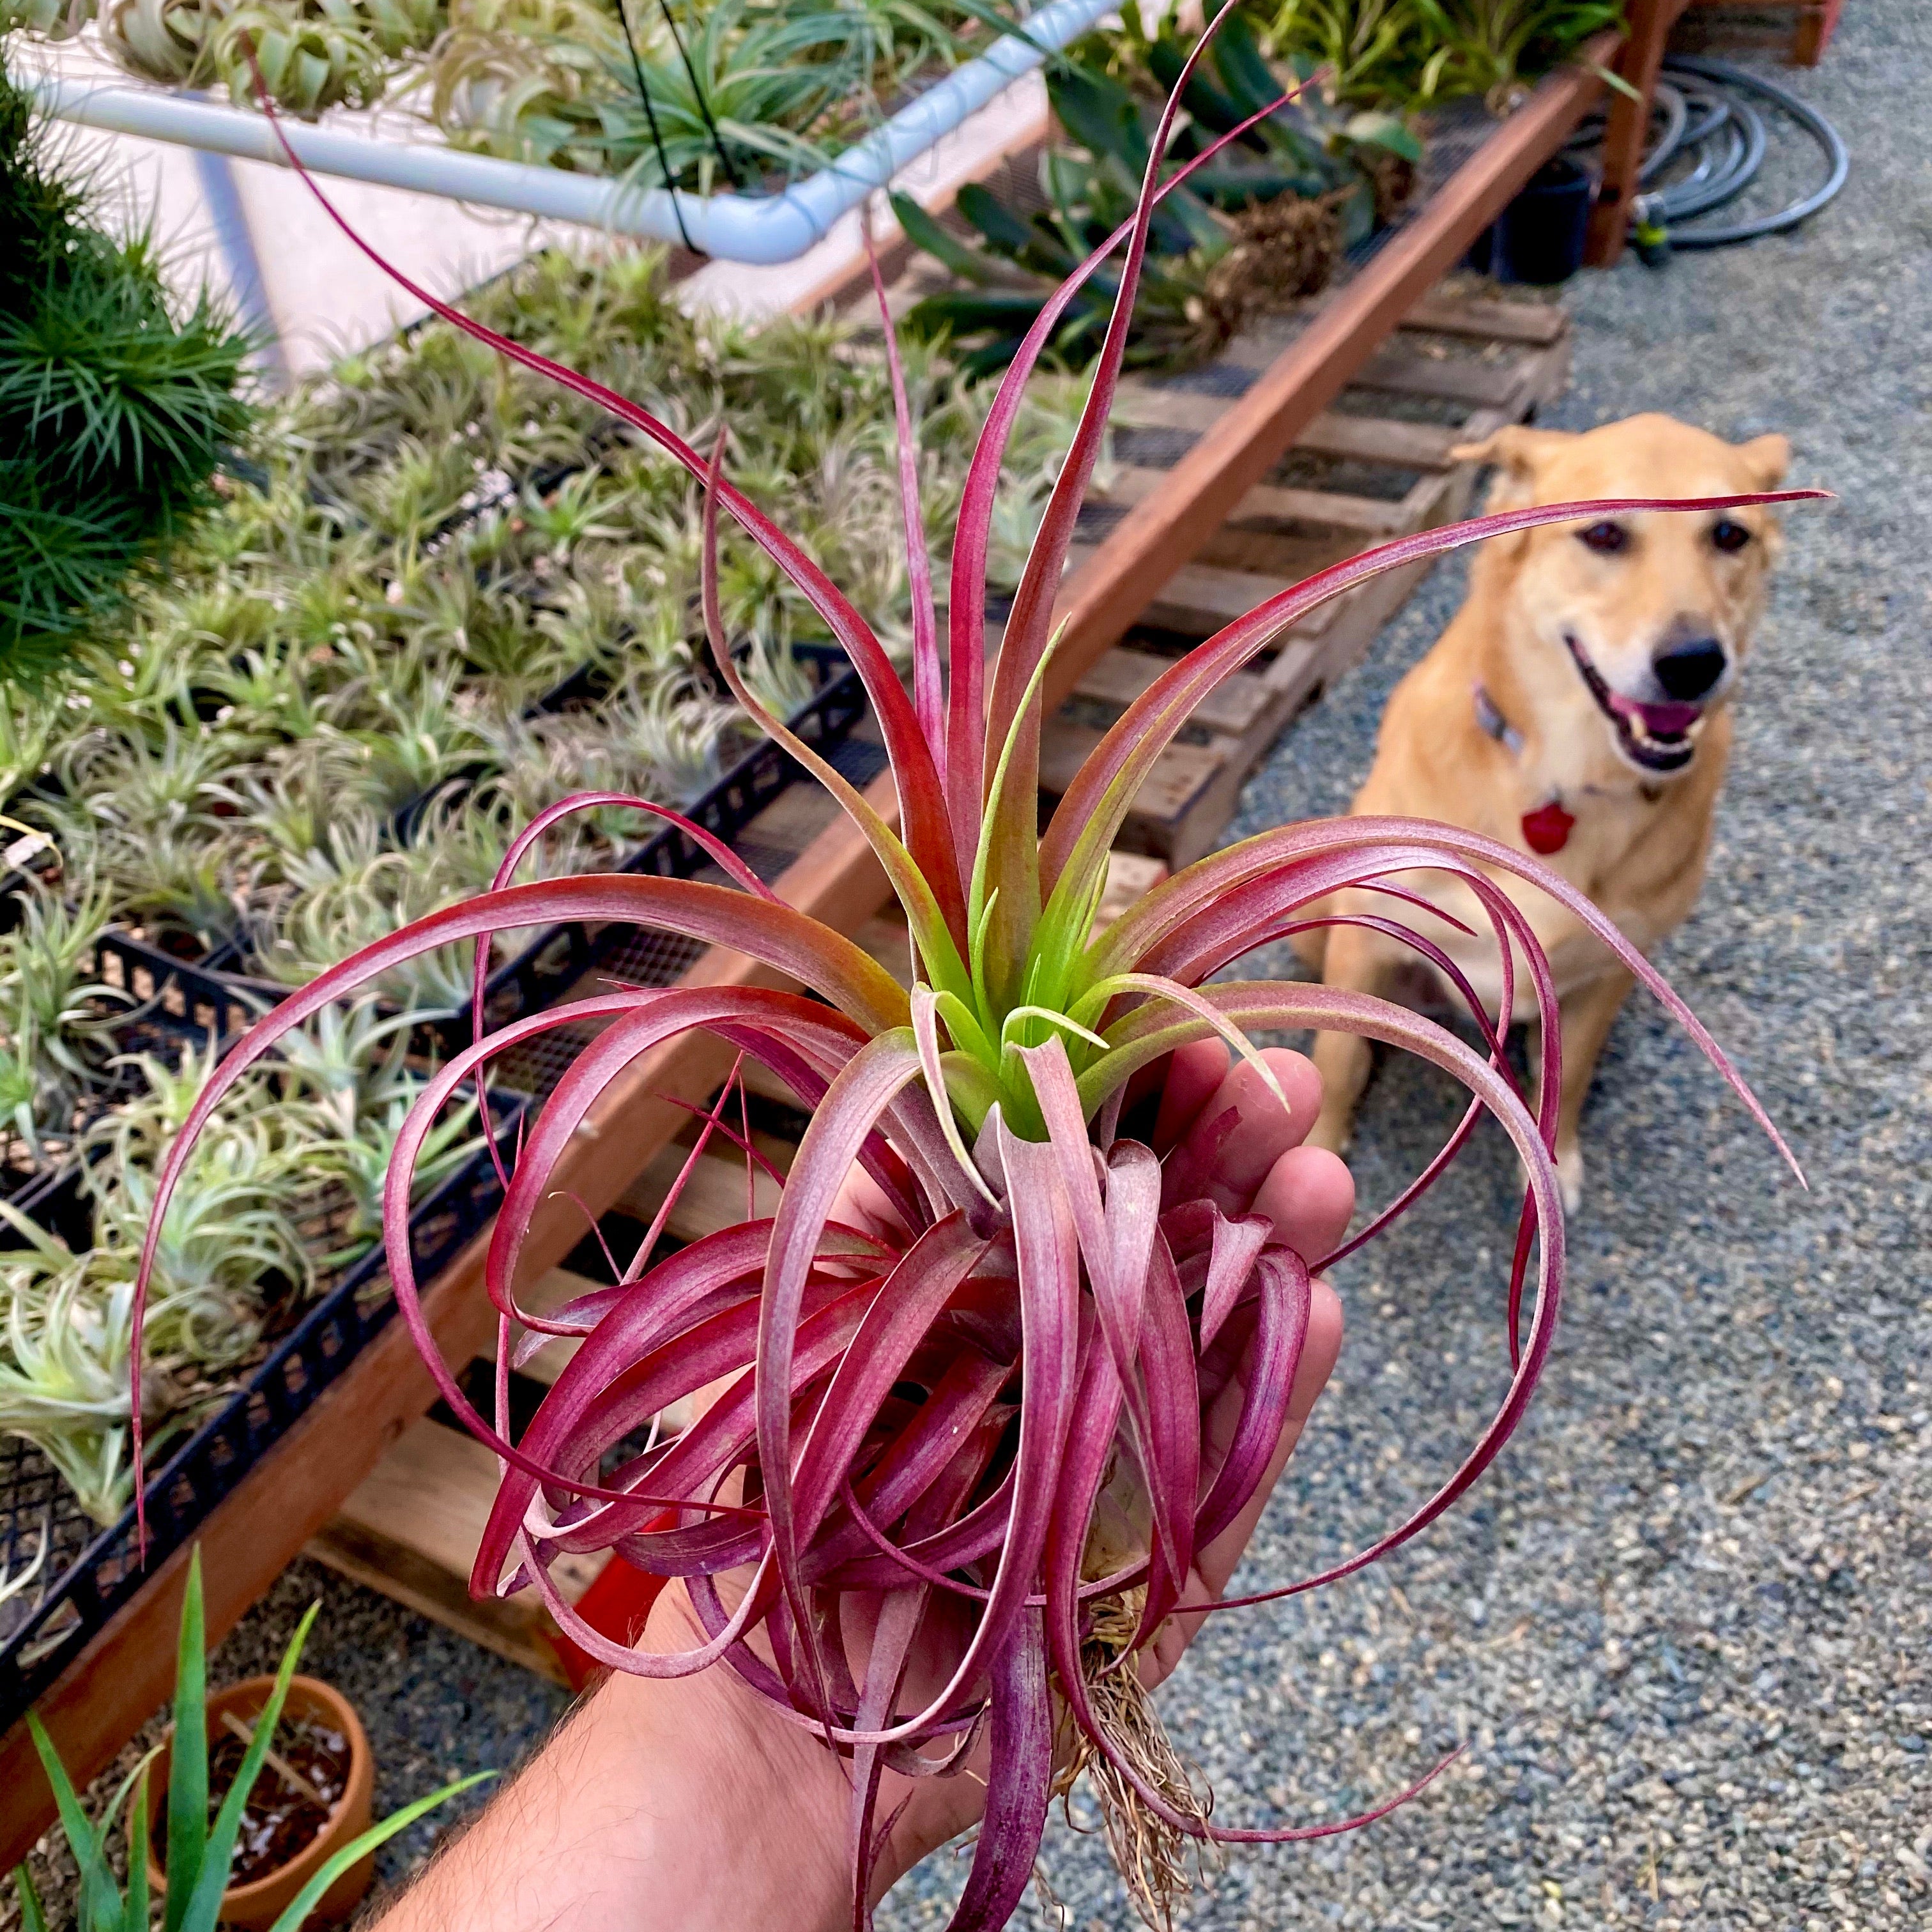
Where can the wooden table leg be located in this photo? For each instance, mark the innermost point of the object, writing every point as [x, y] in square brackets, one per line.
[1813, 33]
[1638, 62]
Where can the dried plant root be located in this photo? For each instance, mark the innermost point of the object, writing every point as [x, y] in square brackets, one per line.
[1156, 1858]
[1284, 250]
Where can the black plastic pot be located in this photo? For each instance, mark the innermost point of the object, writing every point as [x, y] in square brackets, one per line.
[1539, 237]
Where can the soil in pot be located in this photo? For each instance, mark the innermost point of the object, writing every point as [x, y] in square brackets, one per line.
[280, 1820]
[286, 1835]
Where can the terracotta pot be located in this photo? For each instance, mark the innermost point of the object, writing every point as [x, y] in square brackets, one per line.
[257, 1905]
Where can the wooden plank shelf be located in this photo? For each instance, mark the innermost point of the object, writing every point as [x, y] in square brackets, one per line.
[1162, 546]
[1476, 364]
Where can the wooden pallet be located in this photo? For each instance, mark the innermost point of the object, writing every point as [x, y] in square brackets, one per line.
[297, 1487]
[1800, 30]
[1460, 367]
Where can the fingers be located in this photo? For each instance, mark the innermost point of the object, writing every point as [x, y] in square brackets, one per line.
[1216, 1562]
[1193, 1072]
[1309, 1195]
[1232, 1172]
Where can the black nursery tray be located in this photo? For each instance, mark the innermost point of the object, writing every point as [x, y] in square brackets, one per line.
[168, 1005]
[89, 1572]
[83, 1573]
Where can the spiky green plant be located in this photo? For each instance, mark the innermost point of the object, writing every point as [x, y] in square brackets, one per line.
[1266, 224]
[748, 89]
[114, 405]
[1412, 54]
[287, 1187]
[195, 1850]
[350, 1083]
[56, 1020]
[64, 1355]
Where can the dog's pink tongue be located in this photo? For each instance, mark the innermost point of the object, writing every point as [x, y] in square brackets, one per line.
[1660, 721]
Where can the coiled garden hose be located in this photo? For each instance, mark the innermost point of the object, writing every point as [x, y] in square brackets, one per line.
[1709, 116]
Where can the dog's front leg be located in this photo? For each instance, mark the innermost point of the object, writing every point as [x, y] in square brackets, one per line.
[1588, 1015]
[1357, 960]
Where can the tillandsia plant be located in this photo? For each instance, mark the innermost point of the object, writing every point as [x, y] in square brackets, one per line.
[984, 1416]
[286, 1187]
[311, 54]
[1266, 223]
[54, 1020]
[196, 1848]
[727, 96]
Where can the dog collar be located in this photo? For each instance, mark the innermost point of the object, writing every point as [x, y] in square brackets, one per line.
[1546, 829]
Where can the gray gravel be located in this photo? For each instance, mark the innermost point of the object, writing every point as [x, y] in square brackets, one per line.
[1685, 1627]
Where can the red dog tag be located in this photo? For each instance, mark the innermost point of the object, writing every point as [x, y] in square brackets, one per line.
[1547, 828]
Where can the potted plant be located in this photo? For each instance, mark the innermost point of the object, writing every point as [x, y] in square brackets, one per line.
[300, 1856]
[311, 1799]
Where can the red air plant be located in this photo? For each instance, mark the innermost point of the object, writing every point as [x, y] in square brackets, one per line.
[923, 1423]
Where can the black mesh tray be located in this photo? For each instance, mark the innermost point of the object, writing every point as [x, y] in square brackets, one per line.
[170, 1004]
[89, 1572]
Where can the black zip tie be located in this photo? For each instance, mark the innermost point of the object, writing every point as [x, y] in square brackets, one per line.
[698, 92]
[651, 119]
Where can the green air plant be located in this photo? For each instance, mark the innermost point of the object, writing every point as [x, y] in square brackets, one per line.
[114, 409]
[307, 55]
[349, 1076]
[737, 93]
[1412, 54]
[917, 1424]
[1265, 224]
[55, 1020]
[63, 1357]
[337, 912]
[138, 809]
[286, 1186]
[229, 1231]
[196, 1850]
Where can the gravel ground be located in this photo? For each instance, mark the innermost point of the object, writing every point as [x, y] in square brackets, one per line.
[1685, 1626]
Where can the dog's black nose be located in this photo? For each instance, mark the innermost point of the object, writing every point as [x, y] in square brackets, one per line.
[1688, 670]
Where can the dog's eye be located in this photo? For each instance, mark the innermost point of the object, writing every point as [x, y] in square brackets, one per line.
[1729, 537]
[1606, 539]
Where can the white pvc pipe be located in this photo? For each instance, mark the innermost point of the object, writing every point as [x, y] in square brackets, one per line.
[761, 229]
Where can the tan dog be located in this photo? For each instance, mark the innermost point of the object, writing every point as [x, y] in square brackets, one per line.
[1576, 707]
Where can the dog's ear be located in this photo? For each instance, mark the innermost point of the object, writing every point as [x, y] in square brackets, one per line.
[1766, 460]
[1520, 455]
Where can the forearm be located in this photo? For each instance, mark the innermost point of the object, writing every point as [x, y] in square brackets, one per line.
[660, 1804]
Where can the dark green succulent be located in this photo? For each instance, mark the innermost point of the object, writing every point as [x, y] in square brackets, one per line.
[114, 409]
[1265, 220]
